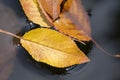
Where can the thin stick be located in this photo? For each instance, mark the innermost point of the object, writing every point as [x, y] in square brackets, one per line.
[9, 33]
[106, 52]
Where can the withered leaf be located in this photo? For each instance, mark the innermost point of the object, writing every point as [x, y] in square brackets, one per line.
[66, 26]
[73, 10]
[34, 13]
[52, 7]
[53, 48]
[74, 21]
[69, 18]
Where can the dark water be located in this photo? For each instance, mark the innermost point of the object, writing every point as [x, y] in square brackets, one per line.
[16, 64]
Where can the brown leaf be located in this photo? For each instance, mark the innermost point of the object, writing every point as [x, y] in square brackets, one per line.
[73, 21]
[66, 26]
[74, 11]
[52, 7]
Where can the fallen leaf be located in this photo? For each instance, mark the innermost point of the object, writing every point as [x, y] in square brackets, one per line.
[67, 16]
[66, 26]
[52, 7]
[34, 13]
[77, 14]
[51, 47]
[73, 21]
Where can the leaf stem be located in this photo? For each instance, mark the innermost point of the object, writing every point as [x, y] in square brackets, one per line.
[9, 33]
[103, 50]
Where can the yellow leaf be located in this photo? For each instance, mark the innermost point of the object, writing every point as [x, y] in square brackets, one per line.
[51, 47]
[34, 13]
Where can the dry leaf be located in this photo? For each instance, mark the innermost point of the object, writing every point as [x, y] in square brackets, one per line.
[52, 7]
[53, 48]
[77, 14]
[34, 13]
[74, 21]
[66, 26]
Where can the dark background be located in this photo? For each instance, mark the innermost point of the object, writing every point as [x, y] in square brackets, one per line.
[105, 25]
